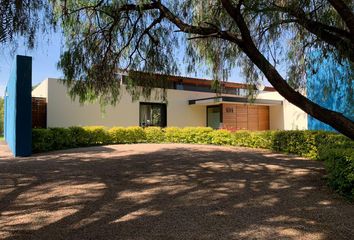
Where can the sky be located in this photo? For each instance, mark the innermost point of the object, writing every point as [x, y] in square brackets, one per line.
[45, 56]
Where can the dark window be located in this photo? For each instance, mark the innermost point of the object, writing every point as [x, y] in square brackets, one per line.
[153, 114]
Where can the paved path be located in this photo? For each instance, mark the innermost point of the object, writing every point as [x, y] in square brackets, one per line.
[4, 150]
[169, 192]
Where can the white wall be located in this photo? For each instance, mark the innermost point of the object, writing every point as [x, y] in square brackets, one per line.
[286, 116]
[41, 90]
[63, 112]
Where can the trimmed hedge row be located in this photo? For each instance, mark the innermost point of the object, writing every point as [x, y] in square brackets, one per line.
[335, 149]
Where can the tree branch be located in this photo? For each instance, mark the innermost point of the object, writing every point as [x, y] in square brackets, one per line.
[345, 13]
[341, 123]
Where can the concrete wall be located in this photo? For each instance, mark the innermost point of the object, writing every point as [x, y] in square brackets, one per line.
[286, 116]
[63, 112]
[18, 108]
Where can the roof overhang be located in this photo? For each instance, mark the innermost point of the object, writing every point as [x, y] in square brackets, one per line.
[235, 100]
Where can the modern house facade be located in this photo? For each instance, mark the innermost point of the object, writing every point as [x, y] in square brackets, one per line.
[190, 102]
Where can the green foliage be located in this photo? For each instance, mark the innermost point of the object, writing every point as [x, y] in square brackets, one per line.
[59, 138]
[24, 19]
[127, 135]
[339, 164]
[199, 135]
[154, 135]
[221, 137]
[96, 135]
[42, 140]
[78, 137]
[102, 36]
[262, 139]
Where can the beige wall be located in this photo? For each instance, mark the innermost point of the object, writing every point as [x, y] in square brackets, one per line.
[41, 90]
[63, 112]
[286, 116]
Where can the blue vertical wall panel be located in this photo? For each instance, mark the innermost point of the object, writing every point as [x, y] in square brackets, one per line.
[18, 107]
[332, 87]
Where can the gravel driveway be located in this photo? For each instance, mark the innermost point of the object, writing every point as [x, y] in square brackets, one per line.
[169, 191]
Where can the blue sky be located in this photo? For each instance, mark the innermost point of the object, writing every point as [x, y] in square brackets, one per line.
[45, 57]
[44, 60]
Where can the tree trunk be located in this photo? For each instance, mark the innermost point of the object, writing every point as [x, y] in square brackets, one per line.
[335, 119]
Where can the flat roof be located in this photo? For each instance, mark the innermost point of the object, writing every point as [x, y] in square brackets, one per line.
[193, 81]
[227, 99]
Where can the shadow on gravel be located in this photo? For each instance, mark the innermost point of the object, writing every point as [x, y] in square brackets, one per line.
[169, 192]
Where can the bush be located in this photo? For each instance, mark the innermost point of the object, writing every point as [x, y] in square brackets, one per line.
[262, 139]
[127, 135]
[339, 163]
[61, 138]
[154, 135]
[42, 140]
[221, 137]
[78, 137]
[96, 135]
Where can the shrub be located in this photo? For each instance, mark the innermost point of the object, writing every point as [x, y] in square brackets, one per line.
[262, 139]
[198, 135]
[127, 135]
[118, 135]
[42, 140]
[174, 135]
[78, 137]
[339, 163]
[221, 137]
[61, 138]
[154, 135]
[96, 135]
[135, 135]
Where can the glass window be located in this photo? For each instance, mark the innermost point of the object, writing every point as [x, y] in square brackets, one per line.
[153, 114]
[213, 116]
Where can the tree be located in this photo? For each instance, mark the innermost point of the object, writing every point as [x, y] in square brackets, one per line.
[21, 19]
[105, 35]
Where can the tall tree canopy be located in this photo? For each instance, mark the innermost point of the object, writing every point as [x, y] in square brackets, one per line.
[262, 37]
[23, 19]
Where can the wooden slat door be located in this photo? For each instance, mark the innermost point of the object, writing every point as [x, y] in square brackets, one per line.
[241, 117]
[39, 112]
[263, 116]
[229, 116]
[245, 117]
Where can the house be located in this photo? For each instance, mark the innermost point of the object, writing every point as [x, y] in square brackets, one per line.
[190, 102]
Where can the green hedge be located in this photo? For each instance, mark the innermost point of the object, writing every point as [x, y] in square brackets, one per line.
[335, 149]
[339, 163]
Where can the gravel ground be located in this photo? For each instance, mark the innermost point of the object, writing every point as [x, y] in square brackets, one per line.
[169, 191]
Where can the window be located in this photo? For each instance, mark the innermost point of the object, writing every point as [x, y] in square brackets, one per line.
[153, 114]
[214, 116]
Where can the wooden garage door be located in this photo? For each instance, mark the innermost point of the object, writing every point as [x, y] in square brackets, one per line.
[245, 117]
